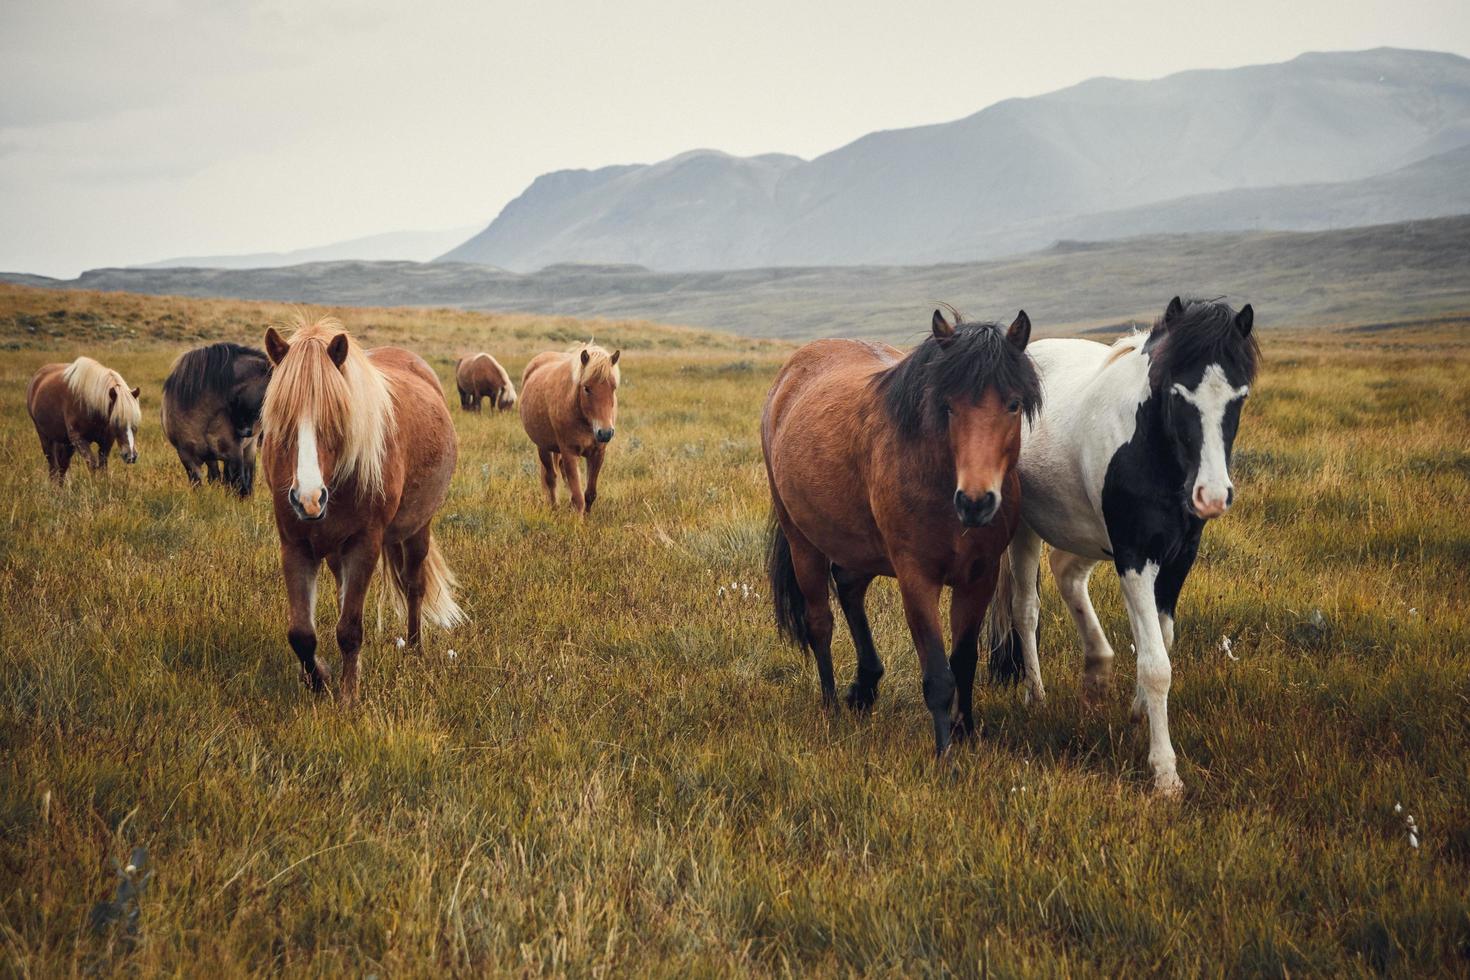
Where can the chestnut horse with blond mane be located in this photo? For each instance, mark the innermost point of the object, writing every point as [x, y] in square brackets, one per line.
[358, 452]
[569, 407]
[76, 405]
[882, 463]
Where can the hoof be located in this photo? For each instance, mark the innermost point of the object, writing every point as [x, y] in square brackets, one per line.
[860, 699]
[1168, 786]
[829, 701]
[1097, 689]
[1035, 696]
[963, 731]
[315, 679]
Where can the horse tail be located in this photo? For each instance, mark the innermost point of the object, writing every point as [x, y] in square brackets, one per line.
[786, 597]
[438, 606]
[507, 395]
[1006, 665]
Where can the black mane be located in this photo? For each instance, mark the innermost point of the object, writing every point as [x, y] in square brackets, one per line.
[210, 368]
[978, 356]
[1204, 333]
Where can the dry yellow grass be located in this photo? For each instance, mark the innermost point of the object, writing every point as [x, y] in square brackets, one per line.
[621, 770]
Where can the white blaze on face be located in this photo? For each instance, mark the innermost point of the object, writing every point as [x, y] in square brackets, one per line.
[132, 449]
[1212, 397]
[309, 482]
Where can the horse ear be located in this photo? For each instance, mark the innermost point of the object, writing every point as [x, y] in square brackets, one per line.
[585, 357]
[942, 328]
[337, 349]
[1175, 310]
[616, 354]
[1245, 319]
[1020, 332]
[275, 345]
[137, 390]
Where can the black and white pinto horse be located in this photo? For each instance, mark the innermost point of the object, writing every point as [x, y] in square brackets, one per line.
[1128, 459]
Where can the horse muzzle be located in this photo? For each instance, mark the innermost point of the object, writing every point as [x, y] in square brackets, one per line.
[130, 457]
[1206, 506]
[976, 511]
[603, 435]
[314, 508]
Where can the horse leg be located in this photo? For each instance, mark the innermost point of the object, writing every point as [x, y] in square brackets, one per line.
[811, 569]
[211, 467]
[1072, 572]
[354, 570]
[300, 568]
[63, 452]
[464, 398]
[415, 552]
[594, 466]
[190, 463]
[80, 444]
[967, 607]
[1139, 578]
[1025, 552]
[1171, 582]
[548, 475]
[571, 471]
[852, 591]
[921, 609]
[104, 447]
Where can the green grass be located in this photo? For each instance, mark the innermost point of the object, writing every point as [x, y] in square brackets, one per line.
[622, 771]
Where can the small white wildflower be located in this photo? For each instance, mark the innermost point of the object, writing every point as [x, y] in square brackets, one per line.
[1225, 645]
[1413, 611]
[452, 655]
[1398, 808]
[130, 869]
[400, 643]
[1413, 839]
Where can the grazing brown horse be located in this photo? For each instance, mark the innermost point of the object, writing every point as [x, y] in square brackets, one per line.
[569, 406]
[886, 464]
[76, 405]
[481, 376]
[211, 407]
[358, 451]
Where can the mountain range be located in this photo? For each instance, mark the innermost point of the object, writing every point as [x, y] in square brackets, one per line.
[1326, 140]
[392, 246]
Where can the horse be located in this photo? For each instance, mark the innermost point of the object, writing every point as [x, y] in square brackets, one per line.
[1127, 462]
[358, 452]
[76, 405]
[210, 410]
[882, 463]
[480, 376]
[569, 407]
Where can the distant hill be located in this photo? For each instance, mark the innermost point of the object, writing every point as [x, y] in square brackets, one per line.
[999, 181]
[409, 246]
[1380, 273]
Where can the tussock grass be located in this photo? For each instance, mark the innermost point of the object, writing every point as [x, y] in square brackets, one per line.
[621, 770]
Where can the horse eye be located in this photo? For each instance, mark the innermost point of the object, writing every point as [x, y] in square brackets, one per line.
[587, 388]
[1014, 406]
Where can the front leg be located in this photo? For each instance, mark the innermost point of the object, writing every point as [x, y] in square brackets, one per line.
[104, 448]
[1139, 577]
[358, 560]
[1171, 582]
[571, 471]
[920, 593]
[79, 443]
[300, 568]
[967, 607]
[594, 466]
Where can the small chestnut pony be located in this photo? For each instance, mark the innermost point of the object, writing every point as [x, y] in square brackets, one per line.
[569, 406]
[882, 463]
[358, 452]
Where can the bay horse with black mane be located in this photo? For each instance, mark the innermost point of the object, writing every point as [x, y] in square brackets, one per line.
[210, 411]
[1129, 459]
[358, 452]
[75, 406]
[882, 463]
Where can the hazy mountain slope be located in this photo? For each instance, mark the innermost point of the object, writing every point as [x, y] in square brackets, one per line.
[407, 246]
[952, 191]
[1386, 273]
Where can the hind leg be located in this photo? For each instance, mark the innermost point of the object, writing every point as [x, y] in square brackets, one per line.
[1072, 572]
[1025, 555]
[415, 551]
[211, 467]
[852, 590]
[548, 475]
[61, 453]
[299, 567]
[811, 568]
[190, 463]
[354, 571]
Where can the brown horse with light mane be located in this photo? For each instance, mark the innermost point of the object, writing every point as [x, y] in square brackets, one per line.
[76, 405]
[882, 463]
[569, 407]
[358, 452]
[480, 376]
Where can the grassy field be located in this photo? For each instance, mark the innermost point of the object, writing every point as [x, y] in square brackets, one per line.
[616, 768]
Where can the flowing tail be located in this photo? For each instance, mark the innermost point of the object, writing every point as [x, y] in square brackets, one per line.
[1006, 666]
[507, 396]
[439, 606]
[786, 597]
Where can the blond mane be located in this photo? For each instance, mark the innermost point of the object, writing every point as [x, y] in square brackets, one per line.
[352, 409]
[90, 383]
[1124, 346]
[599, 366]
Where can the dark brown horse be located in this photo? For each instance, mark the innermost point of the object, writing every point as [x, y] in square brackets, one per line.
[480, 376]
[569, 408]
[358, 452]
[882, 463]
[211, 408]
[77, 405]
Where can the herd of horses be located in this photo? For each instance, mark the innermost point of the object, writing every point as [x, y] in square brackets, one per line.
[944, 466]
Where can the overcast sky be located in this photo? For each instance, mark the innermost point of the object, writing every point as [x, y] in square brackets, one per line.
[131, 132]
